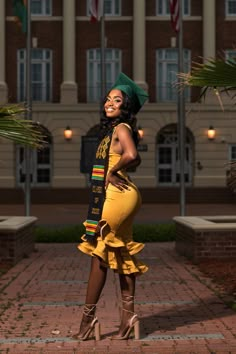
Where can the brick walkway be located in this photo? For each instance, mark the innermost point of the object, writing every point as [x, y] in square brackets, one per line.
[42, 296]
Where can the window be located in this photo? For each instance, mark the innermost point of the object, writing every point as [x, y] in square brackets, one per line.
[230, 7]
[40, 163]
[167, 157]
[163, 7]
[112, 69]
[232, 152]
[230, 55]
[111, 7]
[167, 67]
[41, 7]
[41, 74]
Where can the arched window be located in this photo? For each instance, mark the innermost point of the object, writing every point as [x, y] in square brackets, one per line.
[40, 164]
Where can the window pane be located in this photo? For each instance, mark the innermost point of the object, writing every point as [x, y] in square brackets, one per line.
[41, 68]
[37, 53]
[164, 155]
[167, 68]
[43, 156]
[117, 9]
[48, 7]
[165, 175]
[36, 72]
[112, 69]
[36, 8]
[231, 7]
[43, 175]
[41, 7]
[21, 54]
[233, 152]
[107, 7]
[163, 7]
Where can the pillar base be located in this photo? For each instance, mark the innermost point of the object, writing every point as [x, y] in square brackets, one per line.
[69, 93]
[3, 93]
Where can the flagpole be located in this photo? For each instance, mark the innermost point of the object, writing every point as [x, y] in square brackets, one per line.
[28, 111]
[103, 69]
[181, 114]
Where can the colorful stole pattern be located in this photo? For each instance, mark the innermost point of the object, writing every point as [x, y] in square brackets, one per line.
[97, 192]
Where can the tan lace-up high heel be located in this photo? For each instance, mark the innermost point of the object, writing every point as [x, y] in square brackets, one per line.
[88, 324]
[132, 323]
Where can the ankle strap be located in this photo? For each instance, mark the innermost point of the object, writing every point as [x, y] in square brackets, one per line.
[133, 313]
[88, 308]
[127, 298]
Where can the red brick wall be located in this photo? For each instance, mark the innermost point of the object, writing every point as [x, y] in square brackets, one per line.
[225, 30]
[202, 245]
[17, 245]
[49, 34]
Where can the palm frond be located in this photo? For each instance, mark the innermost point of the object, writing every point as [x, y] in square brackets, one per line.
[215, 73]
[19, 130]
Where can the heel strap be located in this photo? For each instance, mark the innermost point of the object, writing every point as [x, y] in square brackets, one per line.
[88, 309]
[134, 317]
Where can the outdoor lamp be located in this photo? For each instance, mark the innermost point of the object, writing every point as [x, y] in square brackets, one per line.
[140, 132]
[211, 133]
[68, 133]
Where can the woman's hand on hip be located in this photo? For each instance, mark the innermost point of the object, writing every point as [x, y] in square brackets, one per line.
[116, 181]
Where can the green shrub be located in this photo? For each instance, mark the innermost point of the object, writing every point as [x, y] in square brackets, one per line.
[154, 232]
[58, 234]
[72, 234]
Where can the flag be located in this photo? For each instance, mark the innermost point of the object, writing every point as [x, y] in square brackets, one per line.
[174, 14]
[96, 10]
[20, 13]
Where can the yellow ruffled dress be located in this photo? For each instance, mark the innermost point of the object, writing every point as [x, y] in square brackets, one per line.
[115, 246]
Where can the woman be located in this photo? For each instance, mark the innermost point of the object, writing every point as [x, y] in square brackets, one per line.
[113, 204]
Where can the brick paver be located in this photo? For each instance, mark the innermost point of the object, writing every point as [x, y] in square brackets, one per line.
[42, 296]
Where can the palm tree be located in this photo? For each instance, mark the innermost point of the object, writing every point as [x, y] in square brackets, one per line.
[216, 74]
[19, 130]
[219, 75]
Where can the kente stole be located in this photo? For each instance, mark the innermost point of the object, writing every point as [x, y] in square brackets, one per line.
[97, 192]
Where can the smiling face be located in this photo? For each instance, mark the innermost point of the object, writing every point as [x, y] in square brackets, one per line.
[113, 104]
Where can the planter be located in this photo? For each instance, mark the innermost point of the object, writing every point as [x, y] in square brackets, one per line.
[16, 238]
[203, 238]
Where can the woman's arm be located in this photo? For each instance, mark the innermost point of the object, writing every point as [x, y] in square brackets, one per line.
[129, 156]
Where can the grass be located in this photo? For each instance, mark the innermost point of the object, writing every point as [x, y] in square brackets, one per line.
[72, 234]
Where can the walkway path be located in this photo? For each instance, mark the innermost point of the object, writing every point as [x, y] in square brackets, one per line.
[41, 306]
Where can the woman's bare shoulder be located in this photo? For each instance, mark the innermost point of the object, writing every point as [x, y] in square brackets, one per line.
[123, 126]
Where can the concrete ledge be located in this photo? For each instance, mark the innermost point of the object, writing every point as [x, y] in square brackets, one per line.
[206, 237]
[16, 238]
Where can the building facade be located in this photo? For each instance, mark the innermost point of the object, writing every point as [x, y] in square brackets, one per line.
[66, 91]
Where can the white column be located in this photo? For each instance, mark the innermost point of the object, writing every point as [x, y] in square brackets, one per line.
[139, 43]
[69, 86]
[3, 85]
[209, 29]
